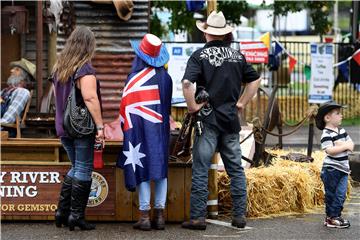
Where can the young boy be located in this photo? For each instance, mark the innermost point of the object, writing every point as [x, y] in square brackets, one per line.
[334, 174]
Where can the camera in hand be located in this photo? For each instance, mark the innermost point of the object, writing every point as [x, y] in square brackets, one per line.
[201, 95]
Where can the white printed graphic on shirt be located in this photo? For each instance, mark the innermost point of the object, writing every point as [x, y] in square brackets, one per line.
[217, 55]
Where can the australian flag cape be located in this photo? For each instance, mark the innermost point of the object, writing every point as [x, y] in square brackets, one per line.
[144, 112]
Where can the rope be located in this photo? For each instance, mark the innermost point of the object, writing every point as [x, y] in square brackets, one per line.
[257, 126]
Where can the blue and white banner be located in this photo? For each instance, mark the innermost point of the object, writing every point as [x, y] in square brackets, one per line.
[322, 72]
[179, 55]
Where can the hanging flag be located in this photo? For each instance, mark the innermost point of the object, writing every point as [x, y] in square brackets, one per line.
[356, 56]
[307, 71]
[278, 48]
[194, 6]
[144, 114]
[344, 69]
[292, 62]
[265, 38]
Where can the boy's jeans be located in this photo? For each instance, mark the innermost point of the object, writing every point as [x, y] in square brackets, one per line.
[335, 184]
[160, 194]
[81, 154]
[203, 151]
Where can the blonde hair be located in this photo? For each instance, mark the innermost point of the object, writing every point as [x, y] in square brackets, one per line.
[79, 49]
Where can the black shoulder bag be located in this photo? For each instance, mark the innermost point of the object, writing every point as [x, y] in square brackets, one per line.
[78, 121]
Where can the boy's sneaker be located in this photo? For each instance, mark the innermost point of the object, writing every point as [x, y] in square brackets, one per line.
[345, 220]
[337, 222]
[326, 220]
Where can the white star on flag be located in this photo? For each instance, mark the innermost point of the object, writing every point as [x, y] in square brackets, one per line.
[133, 156]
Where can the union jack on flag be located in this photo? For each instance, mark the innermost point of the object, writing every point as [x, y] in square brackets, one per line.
[136, 97]
[144, 113]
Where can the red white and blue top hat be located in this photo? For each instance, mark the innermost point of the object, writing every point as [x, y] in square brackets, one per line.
[151, 50]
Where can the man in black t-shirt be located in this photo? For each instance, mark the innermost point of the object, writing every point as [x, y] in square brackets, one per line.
[220, 70]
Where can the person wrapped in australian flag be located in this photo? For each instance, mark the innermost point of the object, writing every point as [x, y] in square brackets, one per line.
[144, 112]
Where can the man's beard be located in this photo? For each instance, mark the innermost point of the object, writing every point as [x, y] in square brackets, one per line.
[13, 81]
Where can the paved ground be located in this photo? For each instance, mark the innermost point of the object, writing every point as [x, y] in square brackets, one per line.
[308, 226]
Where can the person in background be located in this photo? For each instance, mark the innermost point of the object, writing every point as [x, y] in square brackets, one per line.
[335, 171]
[145, 113]
[16, 95]
[218, 70]
[73, 66]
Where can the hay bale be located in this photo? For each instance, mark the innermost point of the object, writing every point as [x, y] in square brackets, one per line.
[282, 188]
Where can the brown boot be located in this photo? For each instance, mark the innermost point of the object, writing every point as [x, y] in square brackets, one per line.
[159, 221]
[144, 221]
[195, 224]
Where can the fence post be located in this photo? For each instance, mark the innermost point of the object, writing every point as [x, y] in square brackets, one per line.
[311, 135]
[212, 203]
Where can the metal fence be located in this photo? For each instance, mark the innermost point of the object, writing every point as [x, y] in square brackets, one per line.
[293, 88]
[292, 94]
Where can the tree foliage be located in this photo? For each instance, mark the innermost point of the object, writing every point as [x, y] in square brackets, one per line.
[319, 12]
[183, 20]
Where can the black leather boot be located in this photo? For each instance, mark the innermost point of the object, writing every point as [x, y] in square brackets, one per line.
[79, 198]
[159, 221]
[63, 210]
[144, 221]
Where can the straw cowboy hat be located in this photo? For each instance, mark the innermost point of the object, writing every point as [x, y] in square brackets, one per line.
[26, 65]
[151, 50]
[324, 109]
[215, 24]
[124, 8]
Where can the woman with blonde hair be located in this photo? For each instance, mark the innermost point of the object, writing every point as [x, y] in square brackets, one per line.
[73, 66]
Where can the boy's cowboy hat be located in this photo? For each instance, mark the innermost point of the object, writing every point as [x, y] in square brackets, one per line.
[215, 24]
[324, 109]
[26, 65]
[151, 50]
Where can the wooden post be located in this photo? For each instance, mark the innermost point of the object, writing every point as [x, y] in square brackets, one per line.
[39, 50]
[212, 180]
[311, 136]
[211, 6]
[212, 204]
[51, 51]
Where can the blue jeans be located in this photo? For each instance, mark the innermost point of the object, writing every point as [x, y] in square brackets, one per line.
[203, 151]
[145, 193]
[335, 184]
[81, 154]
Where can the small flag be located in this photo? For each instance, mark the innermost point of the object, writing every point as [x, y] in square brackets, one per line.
[292, 62]
[194, 6]
[278, 48]
[344, 69]
[356, 56]
[265, 38]
[307, 71]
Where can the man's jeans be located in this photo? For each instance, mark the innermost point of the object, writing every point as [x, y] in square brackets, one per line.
[335, 184]
[81, 154]
[160, 194]
[203, 151]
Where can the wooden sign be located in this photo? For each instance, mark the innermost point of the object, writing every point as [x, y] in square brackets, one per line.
[34, 190]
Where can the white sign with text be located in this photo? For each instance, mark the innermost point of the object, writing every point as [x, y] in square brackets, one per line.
[179, 55]
[322, 73]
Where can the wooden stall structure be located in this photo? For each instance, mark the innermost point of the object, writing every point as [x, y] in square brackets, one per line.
[32, 171]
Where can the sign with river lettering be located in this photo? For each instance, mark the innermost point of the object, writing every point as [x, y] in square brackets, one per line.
[34, 190]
